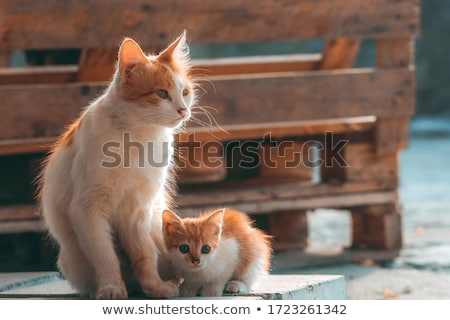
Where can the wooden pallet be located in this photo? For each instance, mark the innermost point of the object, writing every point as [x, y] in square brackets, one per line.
[298, 98]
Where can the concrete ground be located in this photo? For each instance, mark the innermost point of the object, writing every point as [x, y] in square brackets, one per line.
[422, 271]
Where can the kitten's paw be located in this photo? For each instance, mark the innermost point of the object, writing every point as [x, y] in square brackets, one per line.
[235, 286]
[165, 289]
[112, 292]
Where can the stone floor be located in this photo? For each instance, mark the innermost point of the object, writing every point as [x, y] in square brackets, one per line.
[422, 271]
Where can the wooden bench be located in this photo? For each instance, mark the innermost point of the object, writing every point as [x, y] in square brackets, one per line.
[260, 101]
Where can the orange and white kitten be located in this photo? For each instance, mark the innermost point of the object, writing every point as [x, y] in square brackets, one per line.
[99, 193]
[219, 251]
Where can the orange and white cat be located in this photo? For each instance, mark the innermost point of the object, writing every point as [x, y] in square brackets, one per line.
[98, 195]
[219, 251]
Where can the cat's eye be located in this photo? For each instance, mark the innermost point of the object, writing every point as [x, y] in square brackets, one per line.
[206, 249]
[162, 93]
[184, 248]
[185, 92]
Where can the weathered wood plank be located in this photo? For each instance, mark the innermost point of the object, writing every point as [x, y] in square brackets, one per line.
[44, 110]
[19, 212]
[279, 130]
[62, 24]
[339, 53]
[311, 96]
[35, 75]
[265, 190]
[256, 64]
[26, 225]
[275, 204]
[238, 132]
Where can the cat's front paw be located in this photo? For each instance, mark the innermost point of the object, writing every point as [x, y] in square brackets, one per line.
[235, 286]
[164, 289]
[112, 292]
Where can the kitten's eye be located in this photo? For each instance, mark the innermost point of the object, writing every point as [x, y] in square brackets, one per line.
[185, 92]
[184, 248]
[162, 93]
[206, 249]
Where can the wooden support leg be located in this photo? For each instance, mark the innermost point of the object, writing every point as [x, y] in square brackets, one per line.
[289, 229]
[377, 227]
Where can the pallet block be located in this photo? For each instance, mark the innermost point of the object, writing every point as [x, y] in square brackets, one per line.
[377, 227]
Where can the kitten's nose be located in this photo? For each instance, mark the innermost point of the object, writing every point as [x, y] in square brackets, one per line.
[195, 261]
[182, 112]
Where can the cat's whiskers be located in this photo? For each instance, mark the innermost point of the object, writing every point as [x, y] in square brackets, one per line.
[212, 120]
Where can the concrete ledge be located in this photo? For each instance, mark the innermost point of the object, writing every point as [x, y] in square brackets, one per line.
[50, 285]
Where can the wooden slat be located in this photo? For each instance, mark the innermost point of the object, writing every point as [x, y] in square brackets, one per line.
[70, 24]
[339, 53]
[97, 64]
[43, 110]
[342, 201]
[305, 129]
[256, 64]
[279, 130]
[29, 225]
[34, 75]
[260, 191]
[288, 97]
[22, 212]
[22, 146]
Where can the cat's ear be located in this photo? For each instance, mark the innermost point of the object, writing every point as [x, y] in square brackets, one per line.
[177, 50]
[130, 56]
[169, 221]
[216, 219]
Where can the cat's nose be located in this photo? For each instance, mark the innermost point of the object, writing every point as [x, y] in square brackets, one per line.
[182, 112]
[195, 261]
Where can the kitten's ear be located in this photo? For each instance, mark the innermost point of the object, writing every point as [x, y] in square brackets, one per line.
[176, 50]
[169, 221]
[217, 217]
[130, 55]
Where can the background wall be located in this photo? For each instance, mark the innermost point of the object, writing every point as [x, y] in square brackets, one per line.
[433, 59]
